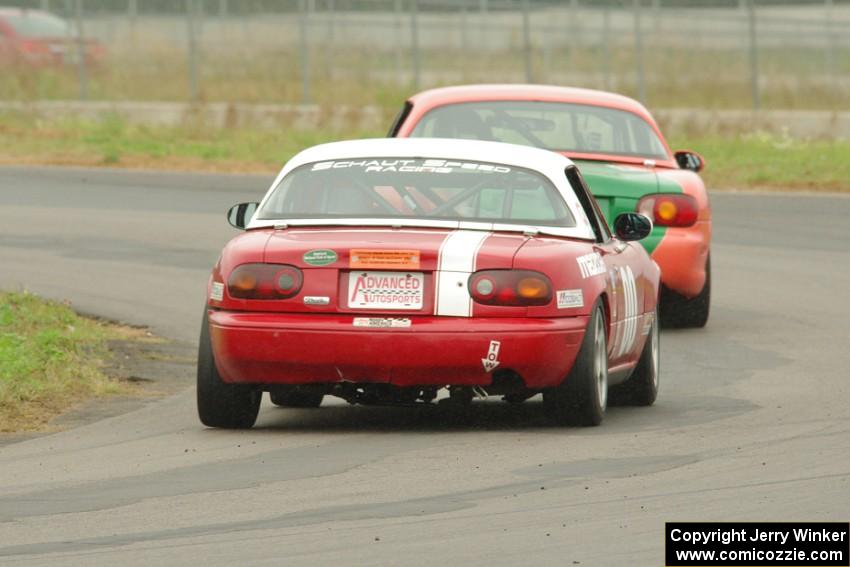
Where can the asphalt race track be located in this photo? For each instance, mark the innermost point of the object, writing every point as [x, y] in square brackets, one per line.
[753, 420]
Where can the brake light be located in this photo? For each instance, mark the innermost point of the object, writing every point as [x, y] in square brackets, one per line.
[670, 209]
[510, 288]
[264, 281]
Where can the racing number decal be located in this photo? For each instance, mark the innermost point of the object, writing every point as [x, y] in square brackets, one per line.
[630, 317]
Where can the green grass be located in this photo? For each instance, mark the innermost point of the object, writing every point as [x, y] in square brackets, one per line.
[50, 358]
[735, 161]
[772, 161]
[114, 142]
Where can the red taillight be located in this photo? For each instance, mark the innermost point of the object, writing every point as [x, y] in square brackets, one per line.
[670, 209]
[510, 288]
[264, 281]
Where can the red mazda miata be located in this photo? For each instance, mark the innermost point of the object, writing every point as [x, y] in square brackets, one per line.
[394, 271]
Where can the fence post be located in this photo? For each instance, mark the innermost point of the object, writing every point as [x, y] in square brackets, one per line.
[573, 43]
[82, 52]
[483, 10]
[304, 50]
[526, 41]
[754, 55]
[546, 66]
[606, 48]
[192, 31]
[330, 5]
[398, 39]
[830, 43]
[464, 40]
[132, 15]
[414, 43]
[656, 15]
[641, 72]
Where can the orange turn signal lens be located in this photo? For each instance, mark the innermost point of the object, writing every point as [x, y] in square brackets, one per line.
[666, 210]
[532, 288]
[244, 281]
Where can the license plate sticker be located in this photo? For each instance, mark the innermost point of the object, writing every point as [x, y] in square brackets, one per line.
[386, 290]
[381, 322]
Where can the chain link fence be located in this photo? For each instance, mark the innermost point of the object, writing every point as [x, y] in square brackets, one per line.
[668, 53]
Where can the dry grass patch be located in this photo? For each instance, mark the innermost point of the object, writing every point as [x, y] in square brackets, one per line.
[51, 359]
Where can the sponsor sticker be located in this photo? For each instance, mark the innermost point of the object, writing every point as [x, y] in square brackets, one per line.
[382, 322]
[321, 257]
[217, 291]
[568, 298]
[491, 361]
[591, 265]
[384, 259]
[385, 290]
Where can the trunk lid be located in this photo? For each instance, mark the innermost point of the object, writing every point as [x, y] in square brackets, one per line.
[618, 187]
[386, 271]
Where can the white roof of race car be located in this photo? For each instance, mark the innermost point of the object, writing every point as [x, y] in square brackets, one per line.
[546, 162]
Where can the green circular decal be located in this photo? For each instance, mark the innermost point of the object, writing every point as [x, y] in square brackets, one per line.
[320, 257]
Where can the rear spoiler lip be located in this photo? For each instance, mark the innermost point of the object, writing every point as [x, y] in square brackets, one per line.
[398, 223]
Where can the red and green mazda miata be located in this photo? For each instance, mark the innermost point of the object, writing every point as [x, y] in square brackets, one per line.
[621, 153]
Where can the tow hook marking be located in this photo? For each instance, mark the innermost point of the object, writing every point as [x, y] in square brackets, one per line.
[492, 361]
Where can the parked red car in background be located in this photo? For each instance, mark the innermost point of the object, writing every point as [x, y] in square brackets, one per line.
[40, 39]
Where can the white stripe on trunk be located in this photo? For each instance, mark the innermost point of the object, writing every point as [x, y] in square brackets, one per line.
[455, 263]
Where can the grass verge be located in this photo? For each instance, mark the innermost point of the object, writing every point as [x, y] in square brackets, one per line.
[117, 143]
[768, 161]
[50, 359]
[759, 160]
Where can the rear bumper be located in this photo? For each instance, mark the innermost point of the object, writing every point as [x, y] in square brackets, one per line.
[682, 255]
[274, 348]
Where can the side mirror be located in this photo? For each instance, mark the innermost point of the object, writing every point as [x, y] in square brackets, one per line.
[632, 226]
[689, 160]
[240, 215]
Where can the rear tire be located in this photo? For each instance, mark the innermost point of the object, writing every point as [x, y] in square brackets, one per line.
[582, 397]
[677, 311]
[641, 389]
[229, 406]
[296, 398]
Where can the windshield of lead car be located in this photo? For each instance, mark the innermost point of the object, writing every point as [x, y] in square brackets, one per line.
[578, 128]
[436, 189]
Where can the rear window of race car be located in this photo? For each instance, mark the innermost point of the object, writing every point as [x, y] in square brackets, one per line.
[417, 188]
[548, 125]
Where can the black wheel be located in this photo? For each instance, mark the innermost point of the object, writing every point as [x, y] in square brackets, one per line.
[641, 388]
[295, 398]
[583, 396]
[230, 406]
[677, 311]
